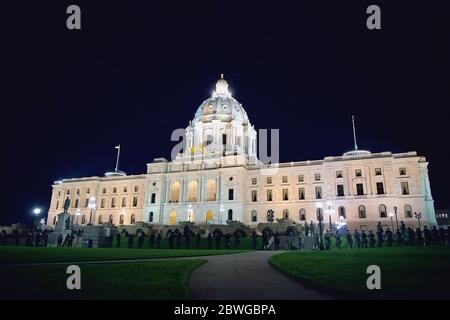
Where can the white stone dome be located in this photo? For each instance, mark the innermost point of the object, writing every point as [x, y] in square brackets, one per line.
[221, 106]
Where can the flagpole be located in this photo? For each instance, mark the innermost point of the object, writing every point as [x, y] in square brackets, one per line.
[354, 133]
[118, 155]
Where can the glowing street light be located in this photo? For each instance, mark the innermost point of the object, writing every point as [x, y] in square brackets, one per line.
[37, 211]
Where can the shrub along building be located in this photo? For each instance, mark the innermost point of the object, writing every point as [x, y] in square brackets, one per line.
[218, 178]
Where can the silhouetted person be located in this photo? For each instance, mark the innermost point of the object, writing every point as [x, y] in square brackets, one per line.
[338, 240]
[218, 237]
[371, 239]
[179, 236]
[364, 239]
[60, 240]
[151, 240]
[45, 238]
[403, 229]
[254, 240]
[434, 235]
[140, 240]
[265, 240]
[237, 240]
[158, 240]
[187, 236]
[198, 237]
[171, 238]
[411, 236]
[379, 237]
[429, 236]
[389, 237]
[399, 237]
[357, 237]
[276, 239]
[130, 240]
[227, 240]
[419, 237]
[118, 240]
[349, 240]
[327, 241]
[209, 240]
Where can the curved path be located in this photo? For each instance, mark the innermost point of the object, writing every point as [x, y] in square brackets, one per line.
[246, 276]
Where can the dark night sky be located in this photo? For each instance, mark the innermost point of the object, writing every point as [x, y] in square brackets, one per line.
[139, 69]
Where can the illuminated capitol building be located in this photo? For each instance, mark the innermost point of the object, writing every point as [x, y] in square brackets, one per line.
[218, 177]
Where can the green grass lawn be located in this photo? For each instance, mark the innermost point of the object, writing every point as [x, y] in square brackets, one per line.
[133, 280]
[406, 272]
[51, 254]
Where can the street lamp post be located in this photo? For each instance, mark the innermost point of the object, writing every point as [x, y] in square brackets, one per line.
[36, 212]
[91, 205]
[78, 213]
[392, 221]
[396, 218]
[418, 216]
[330, 212]
[320, 218]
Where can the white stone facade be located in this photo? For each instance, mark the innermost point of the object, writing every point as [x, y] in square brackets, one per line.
[218, 178]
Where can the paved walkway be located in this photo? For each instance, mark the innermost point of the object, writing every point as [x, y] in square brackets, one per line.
[246, 276]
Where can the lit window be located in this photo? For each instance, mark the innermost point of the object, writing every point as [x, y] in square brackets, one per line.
[359, 189]
[269, 195]
[338, 174]
[301, 178]
[254, 216]
[318, 192]
[408, 211]
[340, 190]
[254, 196]
[362, 212]
[402, 171]
[302, 215]
[358, 173]
[405, 188]
[317, 177]
[383, 211]
[285, 194]
[301, 194]
[378, 171]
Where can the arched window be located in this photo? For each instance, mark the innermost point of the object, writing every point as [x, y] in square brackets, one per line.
[341, 211]
[319, 214]
[173, 218]
[121, 219]
[54, 220]
[132, 219]
[286, 214]
[254, 216]
[100, 218]
[209, 216]
[362, 212]
[150, 216]
[175, 192]
[193, 191]
[230, 215]
[211, 190]
[83, 219]
[383, 211]
[110, 219]
[408, 211]
[302, 215]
